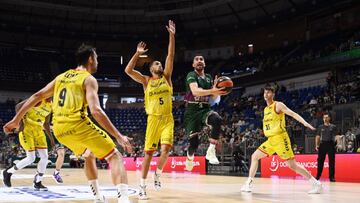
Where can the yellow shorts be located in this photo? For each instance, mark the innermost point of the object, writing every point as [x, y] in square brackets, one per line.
[159, 129]
[279, 144]
[32, 138]
[83, 135]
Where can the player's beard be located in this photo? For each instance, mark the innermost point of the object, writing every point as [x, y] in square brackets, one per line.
[94, 69]
[159, 72]
[199, 68]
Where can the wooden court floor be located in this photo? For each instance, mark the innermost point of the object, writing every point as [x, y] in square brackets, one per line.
[178, 187]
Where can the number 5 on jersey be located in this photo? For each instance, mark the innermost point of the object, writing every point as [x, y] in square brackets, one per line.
[161, 101]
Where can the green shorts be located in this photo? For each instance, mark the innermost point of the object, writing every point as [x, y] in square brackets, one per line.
[195, 118]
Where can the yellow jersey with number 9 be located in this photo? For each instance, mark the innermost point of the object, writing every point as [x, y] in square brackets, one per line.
[36, 116]
[273, 123]
[158, 97]
[69, 101]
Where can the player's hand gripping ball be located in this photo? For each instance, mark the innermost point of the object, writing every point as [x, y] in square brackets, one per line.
[226, 82]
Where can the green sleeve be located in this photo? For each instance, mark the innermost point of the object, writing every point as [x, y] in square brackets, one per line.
[191, 78]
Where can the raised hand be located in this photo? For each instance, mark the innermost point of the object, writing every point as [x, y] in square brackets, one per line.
[141, 48]
[218, 91]
[171, 27]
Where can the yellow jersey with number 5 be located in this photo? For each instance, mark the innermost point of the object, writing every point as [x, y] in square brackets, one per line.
[158, 97]
[273, 122]
[69, 101]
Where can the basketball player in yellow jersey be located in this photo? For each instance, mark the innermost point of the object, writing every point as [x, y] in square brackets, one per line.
[278, 141]
[32, 138]
[158, 90]
[73, 91]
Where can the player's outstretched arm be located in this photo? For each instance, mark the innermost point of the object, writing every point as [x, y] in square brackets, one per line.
[44, 93]
[198, 91]
[129, 70]
[17, 108]
[281, 107]
[169, 63]
[19, 105]
[91, 88]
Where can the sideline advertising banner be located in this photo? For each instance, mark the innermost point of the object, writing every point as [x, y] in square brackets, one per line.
[174, 164]
[347, 167]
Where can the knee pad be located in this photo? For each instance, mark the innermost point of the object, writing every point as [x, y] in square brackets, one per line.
[214, 120]
[30, 157]
[43, 153]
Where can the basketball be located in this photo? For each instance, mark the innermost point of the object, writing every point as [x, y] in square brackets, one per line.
[226, 82]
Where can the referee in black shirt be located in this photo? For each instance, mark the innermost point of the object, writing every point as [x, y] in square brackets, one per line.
[325, 144]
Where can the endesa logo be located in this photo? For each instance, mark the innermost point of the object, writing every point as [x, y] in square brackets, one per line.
[347, 167]
[173, 164]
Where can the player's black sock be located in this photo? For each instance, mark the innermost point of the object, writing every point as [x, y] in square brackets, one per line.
[215, 121]
[194, 144]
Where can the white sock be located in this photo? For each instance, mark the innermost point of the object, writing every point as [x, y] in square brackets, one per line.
[212, 146]
[249, 180]
[11, 170]
[42, 164]
[158, 172]
[39, 177]
[122, 190]
[190, 157]
[56, 172]
[94, 185]
[313, 181]
[142, 182]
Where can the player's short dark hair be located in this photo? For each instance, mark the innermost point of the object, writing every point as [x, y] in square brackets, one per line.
[327, 114]
[197, 54]
[269, 88]
[83, 53]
